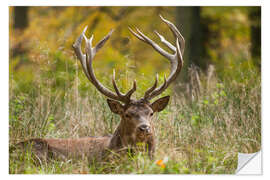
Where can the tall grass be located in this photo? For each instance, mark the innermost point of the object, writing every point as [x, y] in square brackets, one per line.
[209, 119]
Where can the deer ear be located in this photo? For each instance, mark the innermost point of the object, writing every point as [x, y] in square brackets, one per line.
[115, 106]
[160, 104]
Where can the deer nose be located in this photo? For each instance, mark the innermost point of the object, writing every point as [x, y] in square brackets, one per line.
[144, 128]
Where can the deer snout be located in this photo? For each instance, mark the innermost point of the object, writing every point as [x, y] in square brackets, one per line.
[144, 128]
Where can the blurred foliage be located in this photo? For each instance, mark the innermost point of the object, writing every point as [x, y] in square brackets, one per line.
[227, 30]
[47, 43]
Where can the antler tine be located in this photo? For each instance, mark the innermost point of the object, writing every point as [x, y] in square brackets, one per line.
[78, 51]
[164, 41]
[124, 97]
[148, 91]
[176, 59]
[147, 40]
[86, 61]
[135, 34]
[115, 86]
[131, 91]
[176, 33]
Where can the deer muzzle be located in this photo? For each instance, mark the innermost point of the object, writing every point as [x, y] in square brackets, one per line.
[145, 128]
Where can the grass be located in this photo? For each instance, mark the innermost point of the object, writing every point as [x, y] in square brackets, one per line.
[209, 119]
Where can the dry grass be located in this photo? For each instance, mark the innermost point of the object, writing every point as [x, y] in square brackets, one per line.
[206, 123]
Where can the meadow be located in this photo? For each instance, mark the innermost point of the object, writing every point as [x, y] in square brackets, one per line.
[213, 114]
[206, 123]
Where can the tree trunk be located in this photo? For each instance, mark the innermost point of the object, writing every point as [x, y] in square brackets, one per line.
[20, 22]
[255, 35]
[20, 17]
[188, 21]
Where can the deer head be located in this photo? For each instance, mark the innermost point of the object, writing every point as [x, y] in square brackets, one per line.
[136, 115]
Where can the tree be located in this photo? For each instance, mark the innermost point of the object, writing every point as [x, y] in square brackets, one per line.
[189, 22]
[20, 17]
[255, 34]
[20, 23]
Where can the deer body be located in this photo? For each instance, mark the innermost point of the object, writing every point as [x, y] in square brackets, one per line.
[89, 147]
[136, 125]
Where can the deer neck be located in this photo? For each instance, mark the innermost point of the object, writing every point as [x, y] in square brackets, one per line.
[122, 137]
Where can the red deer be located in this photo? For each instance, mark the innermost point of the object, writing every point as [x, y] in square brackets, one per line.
[136, 124]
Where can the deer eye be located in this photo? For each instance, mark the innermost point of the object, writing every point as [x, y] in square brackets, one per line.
[127, 115]
[151, 114]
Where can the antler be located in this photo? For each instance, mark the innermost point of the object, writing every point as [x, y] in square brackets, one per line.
[86, 61]
[175, 59]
